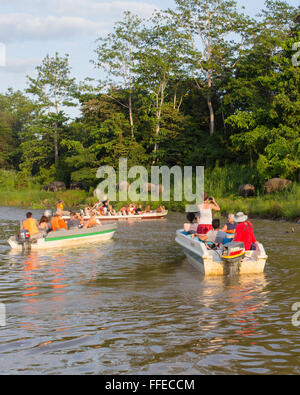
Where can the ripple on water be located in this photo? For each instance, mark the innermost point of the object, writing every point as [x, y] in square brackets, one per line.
[134, 305]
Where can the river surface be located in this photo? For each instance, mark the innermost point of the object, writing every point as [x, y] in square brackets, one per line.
[134, 305]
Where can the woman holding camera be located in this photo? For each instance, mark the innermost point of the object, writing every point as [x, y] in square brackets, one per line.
[205, 224]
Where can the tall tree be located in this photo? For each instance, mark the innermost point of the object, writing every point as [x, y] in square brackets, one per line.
[16, 112]
[116, 55]
[264, 96]
[209, 24]
[161, 55]
[54, 89]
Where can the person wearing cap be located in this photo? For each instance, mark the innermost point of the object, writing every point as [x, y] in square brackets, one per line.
[244, 231]
[60, 206]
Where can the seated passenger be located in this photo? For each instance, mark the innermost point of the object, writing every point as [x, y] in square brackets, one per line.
[131, 209]
[244, 231]
[230, 227]
[87, 211]
[111, 211]
[97, 206]
[148, 209]
[124, 210]
[215, 236]
[160, 209]
[75, 221]
[93, 221]
[139, 209]
[192, 225]
[30, 224]
[57, 223]
[44, 225]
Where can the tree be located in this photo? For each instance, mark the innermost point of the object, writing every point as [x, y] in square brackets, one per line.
[54, 89]
[16, 111]
[116, 55]
[209, 24]
[160, 61]
[265, 95]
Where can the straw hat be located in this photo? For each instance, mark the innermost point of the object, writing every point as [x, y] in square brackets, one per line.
[240, 217]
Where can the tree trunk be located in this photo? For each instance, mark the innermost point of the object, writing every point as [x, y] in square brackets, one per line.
[55, 143]
[211, 116]
[130, 116]
[210, 105]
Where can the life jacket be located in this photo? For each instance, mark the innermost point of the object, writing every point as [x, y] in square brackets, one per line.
[58, 223]
[31, 226]
[92, 222]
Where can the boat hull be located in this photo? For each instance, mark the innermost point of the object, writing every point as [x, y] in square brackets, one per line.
[210, 263]
[110, 218]
[63, 239]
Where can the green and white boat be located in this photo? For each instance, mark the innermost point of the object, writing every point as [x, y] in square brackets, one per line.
[65, 238]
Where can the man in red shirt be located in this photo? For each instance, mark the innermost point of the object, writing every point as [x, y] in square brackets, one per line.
[244, 230]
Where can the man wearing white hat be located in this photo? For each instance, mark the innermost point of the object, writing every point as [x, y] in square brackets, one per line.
[244, 230]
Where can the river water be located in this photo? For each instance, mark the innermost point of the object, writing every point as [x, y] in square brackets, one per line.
[134, 305]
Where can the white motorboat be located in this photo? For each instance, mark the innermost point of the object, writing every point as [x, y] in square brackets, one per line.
[145, 216]
[212, 263]
[65, 238]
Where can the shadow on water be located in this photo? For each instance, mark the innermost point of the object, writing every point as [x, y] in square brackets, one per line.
[134, 305]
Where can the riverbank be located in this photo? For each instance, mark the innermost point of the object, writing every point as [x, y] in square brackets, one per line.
[279, 206]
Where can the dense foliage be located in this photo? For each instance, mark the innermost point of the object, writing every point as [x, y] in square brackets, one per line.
[218, 89]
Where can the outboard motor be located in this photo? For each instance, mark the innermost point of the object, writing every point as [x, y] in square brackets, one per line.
[233, 254]
[25, 240]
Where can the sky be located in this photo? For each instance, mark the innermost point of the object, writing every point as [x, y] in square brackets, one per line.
[31, 29]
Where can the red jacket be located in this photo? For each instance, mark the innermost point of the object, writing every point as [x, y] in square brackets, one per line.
[244, 232]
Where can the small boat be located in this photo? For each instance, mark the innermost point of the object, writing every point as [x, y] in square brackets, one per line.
[64, 238]
[146, 216]
[229, 260]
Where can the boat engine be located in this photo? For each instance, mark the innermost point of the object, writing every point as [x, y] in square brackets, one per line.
[233, 254]
[25, 240]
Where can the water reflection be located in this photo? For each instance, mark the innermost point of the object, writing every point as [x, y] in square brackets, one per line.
[229, 308]
[133, 305]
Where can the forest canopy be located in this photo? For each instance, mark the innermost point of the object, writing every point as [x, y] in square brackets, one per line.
[202, 84]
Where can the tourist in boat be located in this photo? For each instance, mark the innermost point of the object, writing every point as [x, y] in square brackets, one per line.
[89, 209]
[93, 221]
[60, 206]
[160, 209]
[124, 210]
[192, 225]
[44, 225]
[131, 209]
[97, 206]
[244, 231]
[31, 225]
[148, 209]
[105, 203]
[111, 211]
[139, 209]
[75, 221]
[205, 222]
[230, 227]
[215, 236]
[57, 223]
